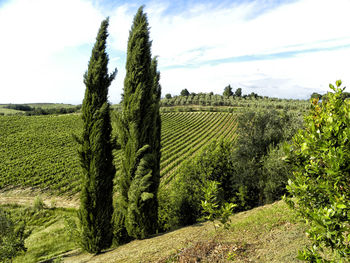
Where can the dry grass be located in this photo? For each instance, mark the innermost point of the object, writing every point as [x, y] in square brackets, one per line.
[265, 234]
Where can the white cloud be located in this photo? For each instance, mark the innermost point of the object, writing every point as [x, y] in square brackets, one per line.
[34, 36]
[213, 34]
[46, 45]
[295, 77]
[223, 33]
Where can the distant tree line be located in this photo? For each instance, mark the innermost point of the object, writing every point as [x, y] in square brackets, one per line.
[227, 93]
[30, 111]
[20, 107]
[249, 101]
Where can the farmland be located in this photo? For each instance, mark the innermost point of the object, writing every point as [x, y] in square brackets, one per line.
[40, 151]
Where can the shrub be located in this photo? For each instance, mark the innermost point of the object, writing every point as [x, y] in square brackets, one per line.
[321, 185]
[38, 203]
[212, 163]
[213, 208]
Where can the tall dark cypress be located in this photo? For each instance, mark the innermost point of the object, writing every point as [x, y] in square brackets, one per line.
[96, 206]
[139, 124]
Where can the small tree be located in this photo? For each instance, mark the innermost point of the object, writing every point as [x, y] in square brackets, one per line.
[213, 208]
[184, 92]
[238, 92]
[228, 91]
[168, 96]
[321, 184]
[95, 153]
[258, 132]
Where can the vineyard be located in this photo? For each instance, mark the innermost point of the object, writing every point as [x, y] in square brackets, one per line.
[39, 151]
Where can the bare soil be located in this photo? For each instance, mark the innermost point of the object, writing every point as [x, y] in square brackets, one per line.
[26, 196]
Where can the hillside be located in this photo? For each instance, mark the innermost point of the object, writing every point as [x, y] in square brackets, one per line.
[40, 151]
[270, 233]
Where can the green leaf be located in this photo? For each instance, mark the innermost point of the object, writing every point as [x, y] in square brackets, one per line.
[341, 206]
[304, 146]
[338, 83]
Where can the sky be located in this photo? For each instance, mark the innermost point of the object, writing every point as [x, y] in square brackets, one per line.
[284, 49]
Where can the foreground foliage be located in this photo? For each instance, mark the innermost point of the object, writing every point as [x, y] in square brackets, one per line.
[258, 177]
[181, 202]
[321, 184]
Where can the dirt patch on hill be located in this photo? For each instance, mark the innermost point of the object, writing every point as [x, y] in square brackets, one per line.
[26, 196]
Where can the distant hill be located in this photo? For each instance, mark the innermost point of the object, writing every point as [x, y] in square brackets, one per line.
[37, 108]
[40, 151]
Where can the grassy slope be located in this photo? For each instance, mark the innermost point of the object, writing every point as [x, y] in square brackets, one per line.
[9, 111]
[265, 234]
[49, 236]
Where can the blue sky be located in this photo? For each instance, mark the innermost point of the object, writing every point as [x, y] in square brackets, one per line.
[285, 49]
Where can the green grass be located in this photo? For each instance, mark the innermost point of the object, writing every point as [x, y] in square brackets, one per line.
[265, 234]
[39, 151]
[49, 235]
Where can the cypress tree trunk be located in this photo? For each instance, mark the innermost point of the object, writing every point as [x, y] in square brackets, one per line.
[96, 157]
[139, 137]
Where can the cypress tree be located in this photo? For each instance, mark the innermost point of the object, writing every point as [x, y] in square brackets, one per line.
[139, 126]
[96, 206]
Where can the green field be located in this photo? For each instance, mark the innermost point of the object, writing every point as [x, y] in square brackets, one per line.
[39, 151]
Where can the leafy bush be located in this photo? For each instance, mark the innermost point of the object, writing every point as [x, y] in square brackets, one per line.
[38, 203]
[321, 185]
[183, 205]
[213, 208]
